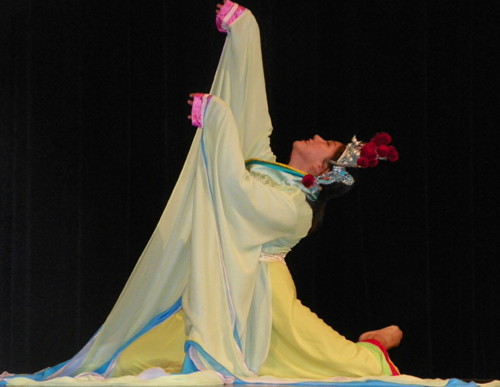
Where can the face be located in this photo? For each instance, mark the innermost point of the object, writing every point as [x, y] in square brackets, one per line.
[312, 155]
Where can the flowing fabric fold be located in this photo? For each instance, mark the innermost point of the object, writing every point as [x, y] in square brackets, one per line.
[203, 256]
[186, 240]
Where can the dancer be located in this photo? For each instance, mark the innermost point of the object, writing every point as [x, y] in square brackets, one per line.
[211, 291]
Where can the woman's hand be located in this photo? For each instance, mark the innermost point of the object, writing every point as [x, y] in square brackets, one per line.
[190, 102]
[219, 6]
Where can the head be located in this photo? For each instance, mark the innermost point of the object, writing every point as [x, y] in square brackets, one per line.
[313, 155]
[357, 154]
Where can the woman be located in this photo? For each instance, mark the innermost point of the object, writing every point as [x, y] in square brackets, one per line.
[211, 290]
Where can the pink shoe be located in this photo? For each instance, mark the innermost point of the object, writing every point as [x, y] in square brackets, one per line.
[228, 15]
[200, 103]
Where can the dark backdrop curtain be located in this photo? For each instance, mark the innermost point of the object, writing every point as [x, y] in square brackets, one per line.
[94, 133]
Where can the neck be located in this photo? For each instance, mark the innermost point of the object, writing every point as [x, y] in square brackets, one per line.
[306, 167]
[297, 164]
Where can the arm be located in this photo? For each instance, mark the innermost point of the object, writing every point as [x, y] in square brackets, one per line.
[269, 212]
[239, 80]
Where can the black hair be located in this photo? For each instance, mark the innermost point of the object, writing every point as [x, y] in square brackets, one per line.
[319, 205]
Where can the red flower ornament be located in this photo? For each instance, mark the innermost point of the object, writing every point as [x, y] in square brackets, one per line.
[383, 150]
[308, 180]
[363, 162]
[368, 152]
[370, 145]
[381, 139]
[392, 154]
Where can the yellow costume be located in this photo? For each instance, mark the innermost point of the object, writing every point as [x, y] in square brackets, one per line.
[206, 282]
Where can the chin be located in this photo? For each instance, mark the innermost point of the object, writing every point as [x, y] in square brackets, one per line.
[296, 146]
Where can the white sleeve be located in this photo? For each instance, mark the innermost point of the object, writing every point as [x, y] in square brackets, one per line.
[266, 212]
[239, 81]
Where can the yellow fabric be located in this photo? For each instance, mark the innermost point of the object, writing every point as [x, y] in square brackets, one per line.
[162, 346]
[207, 244]
[386, 369]
[227, 287]
[199, 222]
[302, 345]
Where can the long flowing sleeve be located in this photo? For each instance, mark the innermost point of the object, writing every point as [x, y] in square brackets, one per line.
[164, 264]
[239, 81]
[204, 252]
[240, 215]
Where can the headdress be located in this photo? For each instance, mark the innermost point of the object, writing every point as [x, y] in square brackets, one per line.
[357, 154]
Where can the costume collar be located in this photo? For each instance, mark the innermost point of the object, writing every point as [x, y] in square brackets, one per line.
[287, 175]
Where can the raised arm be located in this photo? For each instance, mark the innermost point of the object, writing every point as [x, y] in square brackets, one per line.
[239, 80]
[272, 210]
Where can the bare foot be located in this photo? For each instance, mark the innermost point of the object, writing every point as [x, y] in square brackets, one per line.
[389, 337]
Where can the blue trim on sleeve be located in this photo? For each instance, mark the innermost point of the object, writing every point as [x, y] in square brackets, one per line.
[151, 324]
[216, 366]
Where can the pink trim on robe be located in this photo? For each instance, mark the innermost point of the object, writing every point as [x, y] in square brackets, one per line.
[200, 103]
[393, 368]
[228, 15]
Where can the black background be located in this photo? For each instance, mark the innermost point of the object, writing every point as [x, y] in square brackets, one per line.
[94, 133]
